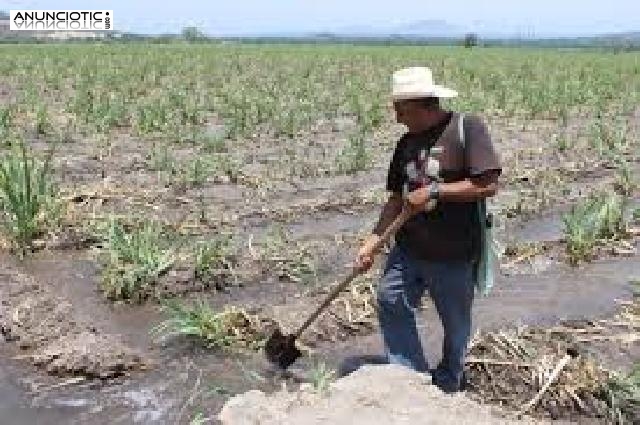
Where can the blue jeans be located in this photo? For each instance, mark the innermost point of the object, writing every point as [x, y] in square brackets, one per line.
[451, 288]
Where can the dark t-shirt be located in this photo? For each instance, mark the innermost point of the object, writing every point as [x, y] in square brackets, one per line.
[449, 232]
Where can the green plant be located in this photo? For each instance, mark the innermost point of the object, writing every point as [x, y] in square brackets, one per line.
[5, 120]
[160, 160]
[42, 120]
[224, 165]
[297, 265]
[29, 198]
[134, 260]
[151, 116]
[354, 157]
[108, 111]
[609, 217]
[218, 390]
[596, 219]
[321, 376]
[196, 173]
[213, 142]
[231, 327]
[622, 394]
[625, 182]
[562, 142]
[609, 139]
[64, 134]
[198, 419]
[213, 257]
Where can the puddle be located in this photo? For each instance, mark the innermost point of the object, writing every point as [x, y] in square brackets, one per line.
[75, 278]
[16, 404]
[74, 402]
[547, 228]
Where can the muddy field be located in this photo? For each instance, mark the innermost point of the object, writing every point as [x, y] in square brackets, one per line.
[265, 221]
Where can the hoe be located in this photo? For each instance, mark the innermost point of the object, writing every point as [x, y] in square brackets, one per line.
[281, 349]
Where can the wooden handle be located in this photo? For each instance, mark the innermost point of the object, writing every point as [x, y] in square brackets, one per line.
[388, 233]
[332, 295]
[392, 229]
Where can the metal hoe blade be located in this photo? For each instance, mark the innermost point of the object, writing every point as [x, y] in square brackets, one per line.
[281, 349]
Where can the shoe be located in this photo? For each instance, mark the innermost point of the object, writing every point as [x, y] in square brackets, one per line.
[443, 380]
[448, 387]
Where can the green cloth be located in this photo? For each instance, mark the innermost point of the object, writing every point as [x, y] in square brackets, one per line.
[484, 265]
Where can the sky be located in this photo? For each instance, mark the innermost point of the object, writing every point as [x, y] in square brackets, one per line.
[242, 17]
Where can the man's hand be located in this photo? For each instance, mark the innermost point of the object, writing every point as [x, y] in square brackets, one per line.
[417, 200]
[366, 254]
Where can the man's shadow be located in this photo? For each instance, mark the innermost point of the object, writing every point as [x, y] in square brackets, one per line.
[353, 363]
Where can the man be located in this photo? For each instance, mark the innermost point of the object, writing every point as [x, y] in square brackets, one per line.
[436, 249]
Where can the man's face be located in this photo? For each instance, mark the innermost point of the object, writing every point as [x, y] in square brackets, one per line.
[406, 111]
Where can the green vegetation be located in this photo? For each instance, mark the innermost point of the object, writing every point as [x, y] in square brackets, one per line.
[288, 259]
[228, 328]
[43, 126]
[354, 156]
[597, 219]
[321, 376]
[623, 396]
[166, 91]
[5, 121]
[28, 197]
[135, 258]
[625, 180]
[198, 419]
[213, 257]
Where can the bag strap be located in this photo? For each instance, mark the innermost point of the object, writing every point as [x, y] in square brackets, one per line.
[461, 130]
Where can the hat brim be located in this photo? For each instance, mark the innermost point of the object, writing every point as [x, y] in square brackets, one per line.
[434, 91]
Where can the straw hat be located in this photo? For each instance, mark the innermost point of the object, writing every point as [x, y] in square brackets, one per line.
[417, 82]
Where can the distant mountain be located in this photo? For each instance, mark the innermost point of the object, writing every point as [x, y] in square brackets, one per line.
[425, 28]
[434, 29]
[631, 36]
[429, 28]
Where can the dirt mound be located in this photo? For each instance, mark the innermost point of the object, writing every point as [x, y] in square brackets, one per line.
[386, 394]
[53, 336]
[86, 354]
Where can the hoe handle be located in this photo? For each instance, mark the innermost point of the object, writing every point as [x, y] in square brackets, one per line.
[388, 233]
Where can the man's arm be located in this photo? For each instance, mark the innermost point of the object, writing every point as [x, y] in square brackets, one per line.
[467, 190]
[389, 212]
[471, 189]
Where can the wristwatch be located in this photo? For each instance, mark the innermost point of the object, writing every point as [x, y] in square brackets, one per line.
[434, 190]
